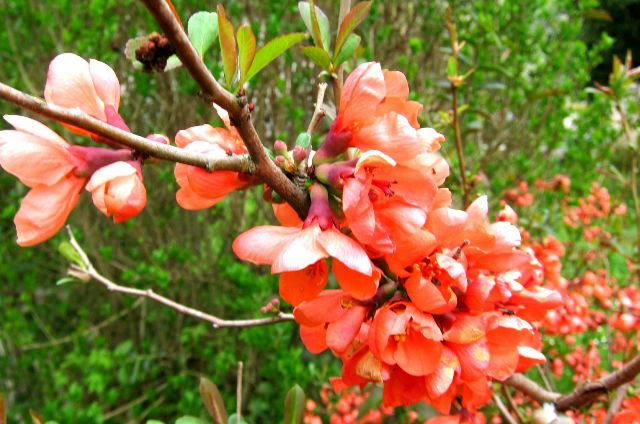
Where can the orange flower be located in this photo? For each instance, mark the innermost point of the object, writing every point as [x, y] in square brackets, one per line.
[403, 335]
[42, 161]
[332, 319]
[200, 189]
[376, 115]
[381, 203]
[117, 190]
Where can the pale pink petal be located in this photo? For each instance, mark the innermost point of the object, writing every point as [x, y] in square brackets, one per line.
[69, 84]
[31, 126]
[391, 133]
[430, 138]
[34, 160]
[260, 245]
[224, 115]
[396, 84]
[374, 158]
[110, 172]
[206, 133]
[299, 251]
[105, 82]
[44, 210]
[346, 250]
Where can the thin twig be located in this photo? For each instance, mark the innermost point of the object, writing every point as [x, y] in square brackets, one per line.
[457, 136]
[319, 112]
[545, 378]
[127, 406]
[217, 322]
[512, 404]
[239, 394]
[616, 403]
[77, 118]
[238, 108]
[503, 410]
[581, 395]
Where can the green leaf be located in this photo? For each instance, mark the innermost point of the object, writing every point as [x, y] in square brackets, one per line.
[227, 46]
[294, 406]
[154, 422]
[66, 249]
[189, 420]
[303, 140]
[270, 51]
[203, 30]
[213, 401]
[66, 280]
[355, 16]
[349, 48]
[233, 419]
[317, 24]
[318, 56]
[172, 63]
[246, 50]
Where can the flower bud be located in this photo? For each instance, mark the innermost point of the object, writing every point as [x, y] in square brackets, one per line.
[117, 190]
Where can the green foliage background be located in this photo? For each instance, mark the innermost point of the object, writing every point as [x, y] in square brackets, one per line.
[79, 354]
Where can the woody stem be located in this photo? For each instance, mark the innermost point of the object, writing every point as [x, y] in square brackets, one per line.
[237, 107]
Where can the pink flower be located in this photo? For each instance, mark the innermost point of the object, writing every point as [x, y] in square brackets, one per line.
[117, 190]
[375, 114]
[200, 189]
[43, 161]
[91, 86]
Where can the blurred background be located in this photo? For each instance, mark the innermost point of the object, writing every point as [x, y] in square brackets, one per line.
[79, 354]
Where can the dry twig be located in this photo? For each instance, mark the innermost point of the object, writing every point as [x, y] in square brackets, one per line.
[217, 322]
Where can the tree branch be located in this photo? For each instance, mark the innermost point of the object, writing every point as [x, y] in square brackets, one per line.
[237, 107]
[239, 163]
[581, 395]
[89, 271]
[319, 112]
[531, 389]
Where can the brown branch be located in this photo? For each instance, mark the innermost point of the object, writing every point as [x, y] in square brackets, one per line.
[591, 391]
[237, 107]
[89, 271]
[581, 395]
[240, 163]
[531, 389]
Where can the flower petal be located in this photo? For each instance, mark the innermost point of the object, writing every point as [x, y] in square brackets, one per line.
[105, 82]
[346, 250]
[45, 209]
[69, 84]
[305, 284]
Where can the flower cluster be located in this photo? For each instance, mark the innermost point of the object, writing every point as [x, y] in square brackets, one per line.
[433, 302]
[57, 172]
